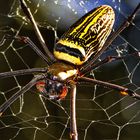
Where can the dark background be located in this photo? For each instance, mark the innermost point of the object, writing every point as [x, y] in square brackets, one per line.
[101, 113]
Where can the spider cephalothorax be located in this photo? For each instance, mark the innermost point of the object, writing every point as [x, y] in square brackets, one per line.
[54, 85]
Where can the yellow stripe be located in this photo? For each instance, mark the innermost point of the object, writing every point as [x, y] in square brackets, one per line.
[91, 23]
[73, 45]
[68, 58]
[95, 18]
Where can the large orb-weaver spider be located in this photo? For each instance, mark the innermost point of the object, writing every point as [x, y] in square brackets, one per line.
[86, 38]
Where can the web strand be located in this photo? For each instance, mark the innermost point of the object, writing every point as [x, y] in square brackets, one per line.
[101, 113]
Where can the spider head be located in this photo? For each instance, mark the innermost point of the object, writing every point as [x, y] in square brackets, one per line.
[52, 89]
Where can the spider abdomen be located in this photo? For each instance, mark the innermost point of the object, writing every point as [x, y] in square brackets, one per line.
[86, 36]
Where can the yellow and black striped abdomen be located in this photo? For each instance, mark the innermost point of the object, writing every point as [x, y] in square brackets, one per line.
[86, 36]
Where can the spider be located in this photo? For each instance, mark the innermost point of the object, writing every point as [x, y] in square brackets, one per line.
[87, 38]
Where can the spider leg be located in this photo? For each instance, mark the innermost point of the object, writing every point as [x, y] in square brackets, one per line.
[109, 59]
[121, 89]
[73, 124]
[22, 72]
[6, 104]
[124, 25]
[29, 15]
[29, 42]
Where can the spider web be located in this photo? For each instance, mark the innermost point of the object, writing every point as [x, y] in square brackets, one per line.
[102, 114]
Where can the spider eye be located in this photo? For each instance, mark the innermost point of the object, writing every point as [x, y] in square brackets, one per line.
[58, 87]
